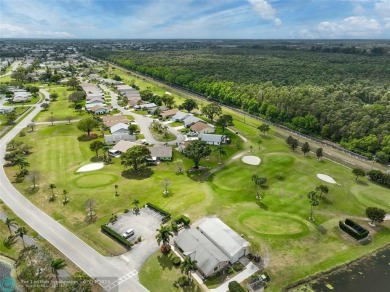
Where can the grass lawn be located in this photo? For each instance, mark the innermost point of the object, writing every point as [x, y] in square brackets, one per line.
[159, 274]
[162, 138]
[18, 110]
[5, 78]
[61, 108]
[278, 228]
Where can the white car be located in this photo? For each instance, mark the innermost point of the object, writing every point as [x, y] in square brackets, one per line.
[128, 233]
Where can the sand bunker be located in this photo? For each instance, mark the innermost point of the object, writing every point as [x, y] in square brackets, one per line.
[326, 178]
[91, 167]
[252, 160]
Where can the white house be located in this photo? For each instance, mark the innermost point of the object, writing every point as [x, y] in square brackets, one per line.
[225, 238]
[120, 128]
[189, 121]
[180, 116]
[209, 258]
[212, 139]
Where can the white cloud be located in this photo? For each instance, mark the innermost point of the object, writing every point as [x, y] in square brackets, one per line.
[386, 20]
[383, 7]
[265, 10]
[15, 31]
[353, 26]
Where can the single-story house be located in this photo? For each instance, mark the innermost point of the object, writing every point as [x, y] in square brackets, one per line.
[120, 128]
[94, 95]
[161, 153]
[201, 127]
[123, 146]
[189, 121]
[124, 88]
[212, 139]
[110, 121]
[6, 110]
[168, 113]
[113, 139]
[149, 107]
[99, 109]
[21, 96]
[210, 259]
[95, 100]
[180, 116]
[225, 238]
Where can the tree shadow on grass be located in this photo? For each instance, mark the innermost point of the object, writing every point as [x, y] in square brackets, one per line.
[321, 229]
[97, 159]
[262, 205]
[165, 261]
[200, 175]
[360, 182]
[326, 201]
[86, 138]
[144, 174]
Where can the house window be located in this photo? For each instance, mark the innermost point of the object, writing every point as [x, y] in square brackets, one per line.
[216, 268]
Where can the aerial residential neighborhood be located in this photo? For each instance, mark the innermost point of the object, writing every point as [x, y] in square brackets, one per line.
[222, 146]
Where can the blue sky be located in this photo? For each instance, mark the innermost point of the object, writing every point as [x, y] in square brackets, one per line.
[247, 19]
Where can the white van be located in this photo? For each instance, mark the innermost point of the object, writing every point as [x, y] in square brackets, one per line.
[128, 233]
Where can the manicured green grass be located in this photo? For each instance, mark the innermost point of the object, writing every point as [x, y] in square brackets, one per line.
[278, 228]
[61, 108]
[159, 274]
[163, 138]
[5, 79]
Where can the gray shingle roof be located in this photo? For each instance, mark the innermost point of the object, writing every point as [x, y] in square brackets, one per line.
[117, 137]
[210, 137]
[161, 151]
[118, 127]
[207, 255]
[223, 236]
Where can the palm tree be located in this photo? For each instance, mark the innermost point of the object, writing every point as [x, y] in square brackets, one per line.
[135, 204]
[313, 199]
[187, 266]
[66, 200]
[20, 161]
[163, 236]
[21, 231]
[52, 187]
[323, 189]
[10, 222]
[221, 152]
[57, 264]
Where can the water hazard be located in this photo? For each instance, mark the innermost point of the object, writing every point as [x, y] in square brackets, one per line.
[370, 274]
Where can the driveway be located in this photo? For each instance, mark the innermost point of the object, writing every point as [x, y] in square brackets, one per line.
[144, 122]
[111, 272]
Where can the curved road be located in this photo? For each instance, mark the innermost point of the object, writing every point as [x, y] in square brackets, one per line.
[144, 122]
[113, 273]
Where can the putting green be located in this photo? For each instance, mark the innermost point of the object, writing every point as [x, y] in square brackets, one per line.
[234, 178]
[273, 224]
[95, 180]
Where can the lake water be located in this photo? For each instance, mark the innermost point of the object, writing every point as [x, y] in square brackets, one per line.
[371, 274]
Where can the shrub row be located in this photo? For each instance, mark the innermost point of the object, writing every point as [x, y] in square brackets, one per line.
[182, 219]
[116, 236]
[379, 177]
[166, 214]
[235, 287]
[353, 229]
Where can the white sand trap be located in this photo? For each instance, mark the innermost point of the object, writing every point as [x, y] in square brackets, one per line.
[252, 160]
[91, 167]
[326, 178]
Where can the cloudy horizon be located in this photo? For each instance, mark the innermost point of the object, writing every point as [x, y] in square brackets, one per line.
[195, 19]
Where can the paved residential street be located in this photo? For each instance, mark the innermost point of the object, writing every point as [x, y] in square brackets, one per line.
[144, 122]
[112, 272]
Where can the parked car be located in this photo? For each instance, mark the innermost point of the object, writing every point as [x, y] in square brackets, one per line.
[128, 233]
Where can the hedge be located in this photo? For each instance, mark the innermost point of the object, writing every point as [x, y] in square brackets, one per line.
[116, 236]
[379, 177]
[235, 287]
[182, 219]
[166, 214]
[353, 229]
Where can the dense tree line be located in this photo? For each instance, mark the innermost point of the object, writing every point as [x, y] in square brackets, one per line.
[341, 97]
